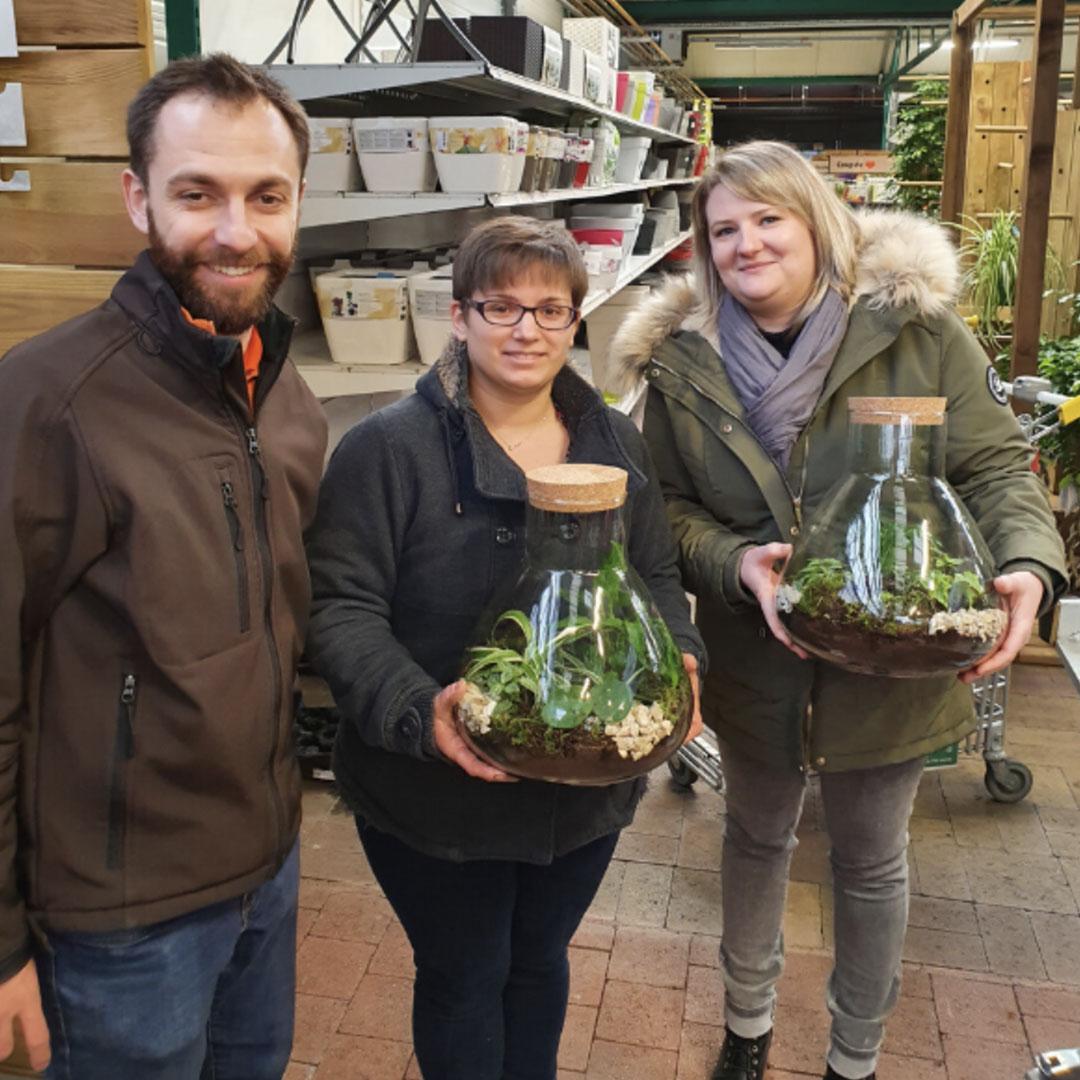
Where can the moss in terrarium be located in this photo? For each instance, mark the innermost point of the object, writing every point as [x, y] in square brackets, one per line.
[935, 597]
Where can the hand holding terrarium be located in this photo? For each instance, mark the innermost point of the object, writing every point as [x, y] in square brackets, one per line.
[577, 678]
[892, 577]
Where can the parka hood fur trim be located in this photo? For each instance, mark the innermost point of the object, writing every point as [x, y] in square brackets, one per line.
[903, 259]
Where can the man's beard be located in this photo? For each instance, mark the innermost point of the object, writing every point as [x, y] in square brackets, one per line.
[230, 314]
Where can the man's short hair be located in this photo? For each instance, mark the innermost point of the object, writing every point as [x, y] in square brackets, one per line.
[500, 251]
[219, 77]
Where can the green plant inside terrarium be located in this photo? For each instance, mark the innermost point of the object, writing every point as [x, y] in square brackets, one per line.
[910, 593]
[582, 683]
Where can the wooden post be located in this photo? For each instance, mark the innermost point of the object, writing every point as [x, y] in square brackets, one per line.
[956, 123]
[1076, 73]
[1035, 195]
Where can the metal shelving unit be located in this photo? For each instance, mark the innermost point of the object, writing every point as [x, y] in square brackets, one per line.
[431, 89]
[327, 379]
[473, 83]
[339, 209]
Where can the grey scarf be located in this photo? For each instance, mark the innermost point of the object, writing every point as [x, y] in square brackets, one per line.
[780, 394]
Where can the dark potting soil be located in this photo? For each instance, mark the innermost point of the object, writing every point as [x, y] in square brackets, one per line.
[583, 760]
[912, 653]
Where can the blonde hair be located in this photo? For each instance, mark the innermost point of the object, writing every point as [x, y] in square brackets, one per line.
[774, 173]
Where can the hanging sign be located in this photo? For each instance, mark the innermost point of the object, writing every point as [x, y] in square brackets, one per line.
[867, 161]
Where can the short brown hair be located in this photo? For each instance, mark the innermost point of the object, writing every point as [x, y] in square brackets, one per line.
[220, 77]
[775, 173]
[499, 251]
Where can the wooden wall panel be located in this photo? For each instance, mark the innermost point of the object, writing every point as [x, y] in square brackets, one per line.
[88, 22]
[33, 300]
[978, 155]
[1002, 191]
[75, 101]
[73, 214]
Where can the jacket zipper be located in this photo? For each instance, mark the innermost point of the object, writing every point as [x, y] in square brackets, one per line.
[261, 493]
[236, 532]
[123, 752]
[796, 502]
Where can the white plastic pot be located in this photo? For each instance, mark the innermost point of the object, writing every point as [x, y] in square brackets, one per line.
[365, 314]
[429, 304]
[475, 153]
[633, 150]
[394, 154]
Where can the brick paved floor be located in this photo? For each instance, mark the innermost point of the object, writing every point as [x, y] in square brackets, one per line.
[992, 961]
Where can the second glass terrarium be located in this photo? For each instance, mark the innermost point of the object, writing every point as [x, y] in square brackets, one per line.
[892, 576]
[576, 678]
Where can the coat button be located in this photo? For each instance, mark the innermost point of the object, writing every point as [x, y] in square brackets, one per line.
[820, 762]
[794, 530]
[726, 429]
[503, 535]
[654, 372]
[409, 727]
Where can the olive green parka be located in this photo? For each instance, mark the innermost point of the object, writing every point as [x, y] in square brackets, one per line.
[725, 494]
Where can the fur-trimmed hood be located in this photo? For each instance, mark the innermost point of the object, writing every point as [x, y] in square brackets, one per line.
[903, 260]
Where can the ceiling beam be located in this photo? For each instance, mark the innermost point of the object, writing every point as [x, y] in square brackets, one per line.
[969, 9]
[672, 12]
[788, 80]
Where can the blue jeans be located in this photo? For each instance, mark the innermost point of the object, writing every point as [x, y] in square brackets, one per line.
[206, 996]
[489, 939]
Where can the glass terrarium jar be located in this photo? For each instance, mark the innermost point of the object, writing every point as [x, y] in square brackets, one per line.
[892, 576]
[575, 677]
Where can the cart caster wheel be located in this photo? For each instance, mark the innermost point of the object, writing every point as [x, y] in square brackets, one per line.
[1008, 781]
[681, 773]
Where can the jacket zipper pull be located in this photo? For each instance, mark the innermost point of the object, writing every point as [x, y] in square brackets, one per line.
[798, 510]
[255, 450]
[127, 709]
[229, 496]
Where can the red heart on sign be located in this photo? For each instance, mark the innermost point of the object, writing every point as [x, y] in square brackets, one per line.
[871, 164]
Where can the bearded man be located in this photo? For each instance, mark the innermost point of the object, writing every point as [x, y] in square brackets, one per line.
[159, 462]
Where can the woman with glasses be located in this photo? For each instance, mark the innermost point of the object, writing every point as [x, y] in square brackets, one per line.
[421, 518]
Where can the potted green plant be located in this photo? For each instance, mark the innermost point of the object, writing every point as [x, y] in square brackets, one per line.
[991, 253]
[918, 149]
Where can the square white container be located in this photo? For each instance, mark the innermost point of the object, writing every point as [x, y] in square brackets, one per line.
[429, 304]
[633, 150]
[602, 262]
[593, 87]
[332, 166]
[394, 154]
[576, 85]
[365, 314]
[475, 153]
[597, 35]
[635, 210]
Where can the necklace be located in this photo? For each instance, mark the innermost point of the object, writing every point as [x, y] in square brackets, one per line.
[511, 446]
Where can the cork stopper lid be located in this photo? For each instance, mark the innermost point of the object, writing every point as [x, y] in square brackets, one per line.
[926, 411]
[576, 488]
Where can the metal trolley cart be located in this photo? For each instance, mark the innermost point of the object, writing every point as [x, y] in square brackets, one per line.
[1007, 780]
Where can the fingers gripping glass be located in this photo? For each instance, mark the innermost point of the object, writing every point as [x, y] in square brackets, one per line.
[507, 313]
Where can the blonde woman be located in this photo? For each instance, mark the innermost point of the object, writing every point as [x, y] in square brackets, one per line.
[795, 306]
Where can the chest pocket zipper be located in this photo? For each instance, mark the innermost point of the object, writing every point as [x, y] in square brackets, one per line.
[123, 752]
[236, 533]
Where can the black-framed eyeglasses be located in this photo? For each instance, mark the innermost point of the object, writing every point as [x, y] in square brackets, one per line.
[507, 313]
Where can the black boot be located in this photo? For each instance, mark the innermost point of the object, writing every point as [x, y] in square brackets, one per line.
[831, 1074]
[742, 1059]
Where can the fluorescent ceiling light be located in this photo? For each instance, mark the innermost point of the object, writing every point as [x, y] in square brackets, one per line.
[762, 43]
[993, 43]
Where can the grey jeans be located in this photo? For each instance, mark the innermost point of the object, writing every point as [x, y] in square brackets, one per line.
[866, 815]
